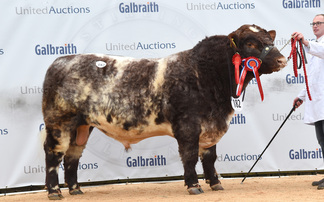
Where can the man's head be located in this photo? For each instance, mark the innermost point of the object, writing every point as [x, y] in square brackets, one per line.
[318, 25]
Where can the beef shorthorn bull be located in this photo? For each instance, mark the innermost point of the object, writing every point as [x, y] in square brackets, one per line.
[186, 95]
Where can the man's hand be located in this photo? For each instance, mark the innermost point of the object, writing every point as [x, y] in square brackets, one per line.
[301, 37]
[297, 102]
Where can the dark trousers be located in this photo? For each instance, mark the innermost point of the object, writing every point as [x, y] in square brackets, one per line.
[319, 128]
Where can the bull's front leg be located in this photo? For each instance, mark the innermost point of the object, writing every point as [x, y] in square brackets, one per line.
[54, 152]
[208, 158]
[187, 135]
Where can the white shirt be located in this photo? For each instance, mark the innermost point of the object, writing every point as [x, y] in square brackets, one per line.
[314, 109]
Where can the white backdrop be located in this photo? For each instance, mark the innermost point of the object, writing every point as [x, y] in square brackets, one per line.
[29, 28]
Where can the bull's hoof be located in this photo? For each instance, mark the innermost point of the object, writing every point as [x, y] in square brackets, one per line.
[55, 196]
[217, 187]
[75, 192]
[195, 190]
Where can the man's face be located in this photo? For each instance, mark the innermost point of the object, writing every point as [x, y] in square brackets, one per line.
[318, 29]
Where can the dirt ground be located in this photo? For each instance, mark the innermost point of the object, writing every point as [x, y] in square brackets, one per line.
[291, 188]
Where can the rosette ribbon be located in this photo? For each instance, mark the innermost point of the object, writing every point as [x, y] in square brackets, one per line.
[250, 64]
[236, 60]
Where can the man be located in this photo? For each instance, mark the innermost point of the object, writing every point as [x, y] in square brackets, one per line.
[314, 109]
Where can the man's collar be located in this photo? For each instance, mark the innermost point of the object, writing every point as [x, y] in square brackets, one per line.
[320, 39]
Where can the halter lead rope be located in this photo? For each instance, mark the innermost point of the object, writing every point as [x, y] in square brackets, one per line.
[293, 54]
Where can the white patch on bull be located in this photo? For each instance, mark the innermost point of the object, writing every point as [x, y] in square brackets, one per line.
[173, 57]
[100, 55]
[210, 135]
[202, 152]
[121, 61]
[161, 69]
[101, 64]
[134, 135]
[75, 152]
[53, 168]
[208, 139]
[68, 66]
[159, 75]
[254, 29]
[85, 91]
[74, 186]
[56, 188]
[120, 64]
[229, 118]
[64, 142]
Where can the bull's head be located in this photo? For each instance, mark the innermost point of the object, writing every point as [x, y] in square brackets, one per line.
[252, 40]
[255, 45]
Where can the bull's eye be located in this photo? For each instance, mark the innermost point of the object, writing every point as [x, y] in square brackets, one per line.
[250, 45]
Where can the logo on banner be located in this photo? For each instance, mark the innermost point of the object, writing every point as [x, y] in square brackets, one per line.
[132, 7]
[238, 157]
[305, 154]
[301, 4]
[291, 79]
[140, 46]
[41, 126]
[29, 169]
[253, 81]
[4, 131]
[49, 49]
[238, 119]
[220, 6]
[31, 90]
[84, 166]
[282, 117]
[52, 10]
[140, 161]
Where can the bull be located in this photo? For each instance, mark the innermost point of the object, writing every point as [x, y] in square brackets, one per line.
[186, 95]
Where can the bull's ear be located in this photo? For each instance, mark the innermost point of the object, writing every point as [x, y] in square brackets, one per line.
[233, 40]
[272, 34]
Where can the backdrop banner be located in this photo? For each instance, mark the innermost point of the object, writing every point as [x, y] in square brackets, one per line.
[34, 33]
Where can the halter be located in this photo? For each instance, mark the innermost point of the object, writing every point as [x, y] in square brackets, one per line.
[249, 64]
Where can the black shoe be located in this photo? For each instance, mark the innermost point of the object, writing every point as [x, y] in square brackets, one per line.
[321, 186]
[317, 183]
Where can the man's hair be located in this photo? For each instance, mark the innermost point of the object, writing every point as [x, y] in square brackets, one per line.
[320, 15]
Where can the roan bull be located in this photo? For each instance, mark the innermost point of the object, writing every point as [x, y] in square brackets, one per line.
[186, 95]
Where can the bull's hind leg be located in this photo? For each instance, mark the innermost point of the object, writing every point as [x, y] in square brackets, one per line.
[187, 135]
[72, 157]
[55, 146]
[71, 162]
[208, 158]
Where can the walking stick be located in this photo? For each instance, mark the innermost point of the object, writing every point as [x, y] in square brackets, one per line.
[291, 111]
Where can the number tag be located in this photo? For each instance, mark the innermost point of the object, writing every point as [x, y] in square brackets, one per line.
[237, 103]
[100, 64]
